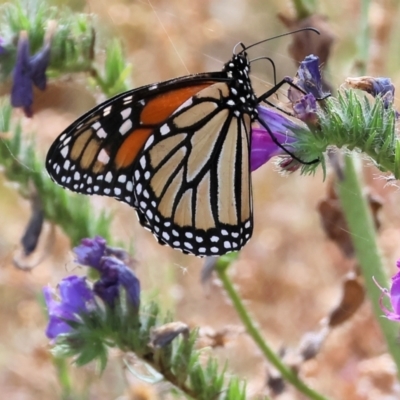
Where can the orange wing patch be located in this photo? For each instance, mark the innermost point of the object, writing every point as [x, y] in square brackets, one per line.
[154, 113]
[130, 148]
[160, 108]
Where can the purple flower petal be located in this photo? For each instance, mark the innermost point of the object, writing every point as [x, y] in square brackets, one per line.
[309, 77]
[22, 91]
[75, 294]
[132, 286]
[263, 147]
[108, 286]
[76, 298]
[306, 109]
[38, 64]
[114, 273]
[90, 252]
[395, 295]
[278, 123]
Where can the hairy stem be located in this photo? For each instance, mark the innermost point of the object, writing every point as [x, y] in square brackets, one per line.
[252, 330]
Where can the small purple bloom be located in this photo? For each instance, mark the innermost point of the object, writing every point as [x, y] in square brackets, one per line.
[22, 90]
[38, 64]
[309, 78]
[28, 71]
[382, 87]
[306, 109]
[75, 298]
[394, 297]
[263, 147]
[90, 252]
[114, 274]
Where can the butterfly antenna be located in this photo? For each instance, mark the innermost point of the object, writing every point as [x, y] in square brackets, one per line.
[239, 44]
[272, 63]
[279, 36]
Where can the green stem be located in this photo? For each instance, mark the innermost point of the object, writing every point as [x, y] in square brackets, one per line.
[252, 330]
[63, 377]
[361, 226]
[359, 218]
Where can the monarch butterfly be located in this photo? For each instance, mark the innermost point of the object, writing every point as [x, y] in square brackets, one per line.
[176, 151]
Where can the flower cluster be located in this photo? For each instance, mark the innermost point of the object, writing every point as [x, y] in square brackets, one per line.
[78, 298]
[75, 298]
[278, 133]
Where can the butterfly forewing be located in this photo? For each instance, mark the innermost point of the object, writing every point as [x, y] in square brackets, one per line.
[95, 155]
[178, 152]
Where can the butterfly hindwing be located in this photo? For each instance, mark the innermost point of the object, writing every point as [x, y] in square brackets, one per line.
[191, 175]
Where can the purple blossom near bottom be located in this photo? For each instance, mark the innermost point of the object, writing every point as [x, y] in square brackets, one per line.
[90, 252]
[75, 298]
[263, 146]
[394, 296]
[114, 273]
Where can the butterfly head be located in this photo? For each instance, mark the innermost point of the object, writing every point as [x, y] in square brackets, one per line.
[241, 91]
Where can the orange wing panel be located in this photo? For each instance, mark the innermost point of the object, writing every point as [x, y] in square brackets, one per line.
[161, 107]
[154, 112]
[131, 146]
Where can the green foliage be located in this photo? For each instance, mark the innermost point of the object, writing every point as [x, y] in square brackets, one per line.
[116, 71]
[179, 362]
[73, 43]
[356, 123]
[24, 15]
[73, 213]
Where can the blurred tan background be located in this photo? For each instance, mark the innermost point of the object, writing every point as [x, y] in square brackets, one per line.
[289, 274]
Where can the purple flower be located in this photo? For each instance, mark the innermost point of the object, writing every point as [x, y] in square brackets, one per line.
[90, 252]
[263, 146]
[75, 298]
[22, 90]
[309, 79]
[114, 273]
[382, 87]
[305, 109]
[28, 71]
[38, 64]
[394, 297]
